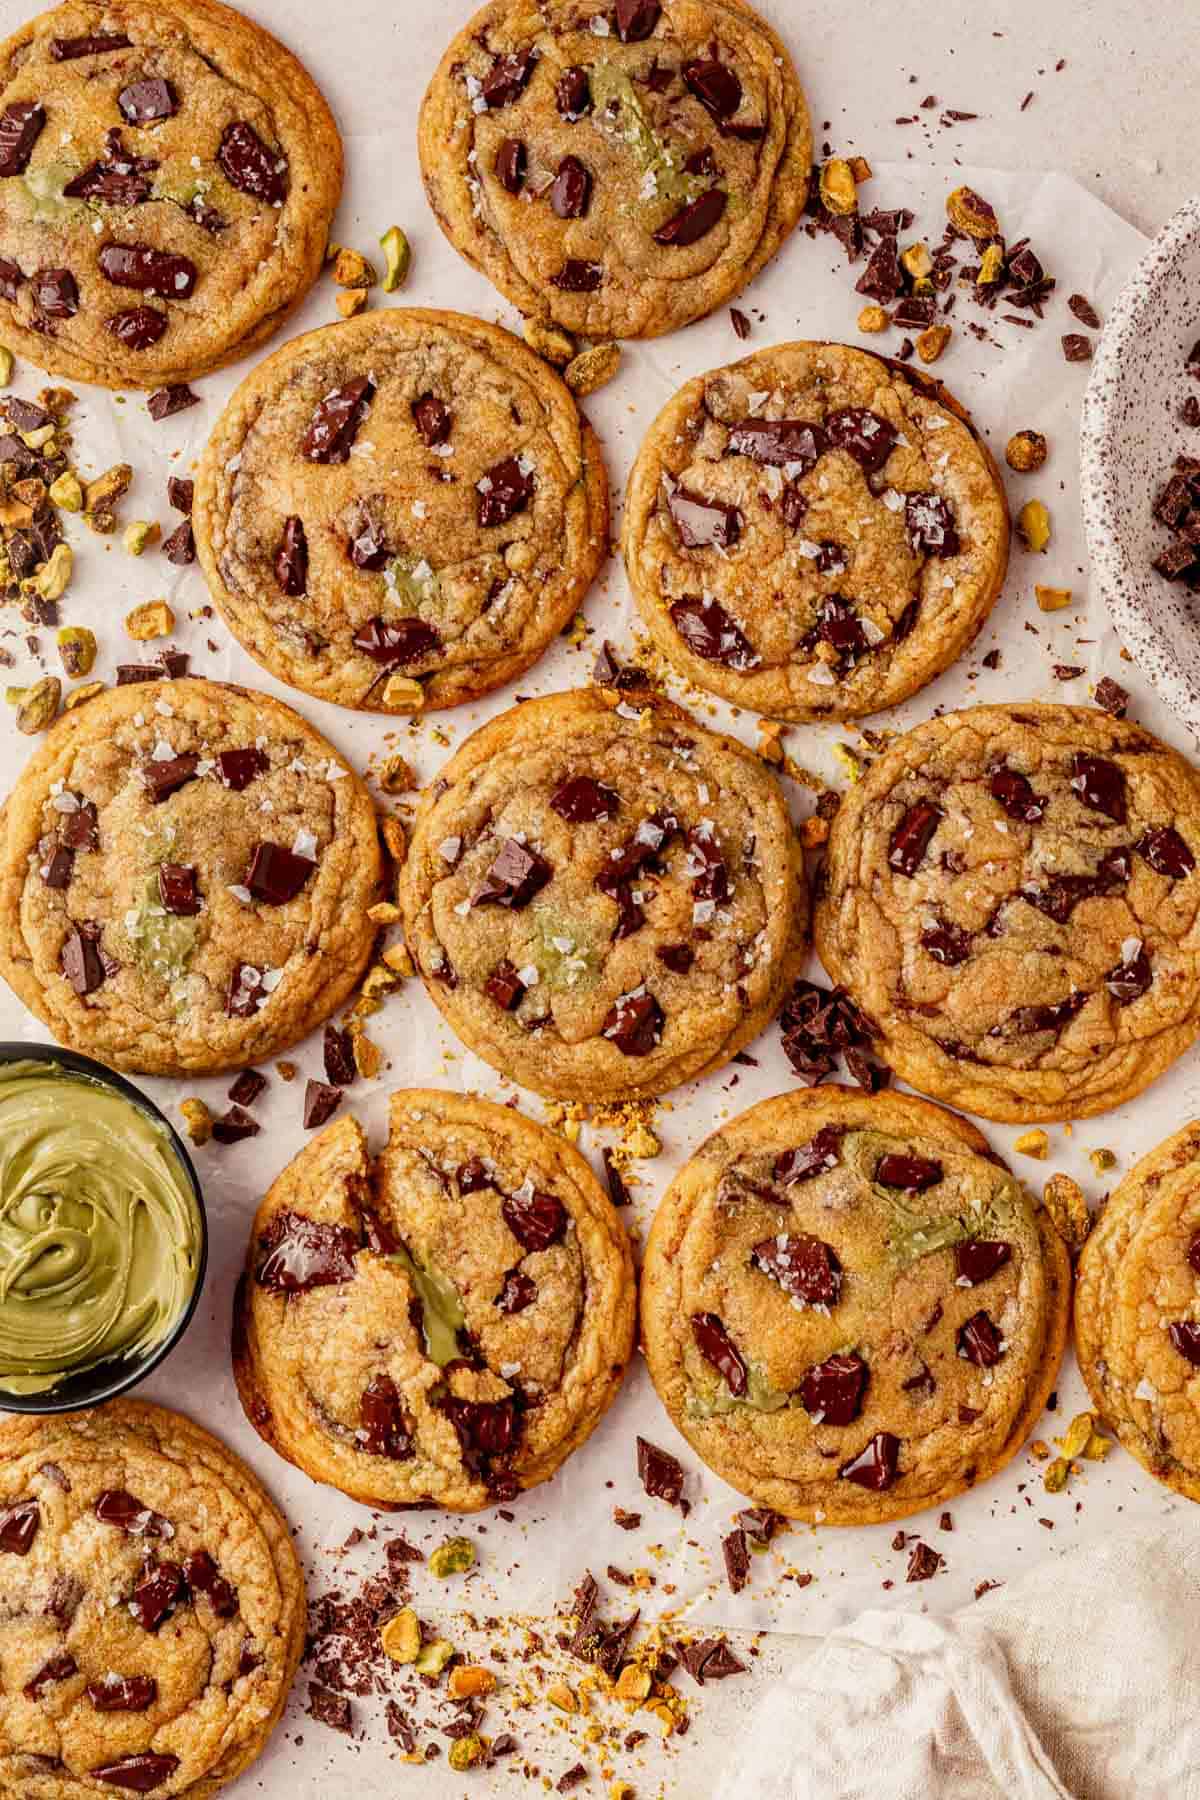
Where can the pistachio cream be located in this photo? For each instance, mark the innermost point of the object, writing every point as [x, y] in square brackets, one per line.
[100, 1231]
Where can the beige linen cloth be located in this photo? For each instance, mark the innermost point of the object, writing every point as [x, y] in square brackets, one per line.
[1080, 1681]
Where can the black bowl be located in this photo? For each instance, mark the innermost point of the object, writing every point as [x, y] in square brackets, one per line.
[119, 1374]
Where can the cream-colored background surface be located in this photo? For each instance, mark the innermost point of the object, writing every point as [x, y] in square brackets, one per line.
[1120, 119]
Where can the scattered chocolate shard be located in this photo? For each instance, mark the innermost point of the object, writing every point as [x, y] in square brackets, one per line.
[321, 1101]
[736, 1552]
[247, 1087]
[340, 1067]
[923, 1562]
[660, 1473]
[165, 402]
[234, 1126]
[329, 1708]
[618, 1193]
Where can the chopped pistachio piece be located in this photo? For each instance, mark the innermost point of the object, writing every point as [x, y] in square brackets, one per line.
[351, 301]
[470, 1682]
[394, 840]
[396, 775]
[153, 619]
[383, 913]
[839, 191]
[1055, 1478]
[851, 764]
[1096, 1448]
[6, 365]
[399, 960]
[592, 368]
[197, 1120]
[52, 578]
[1102, 1160]
[873, 318]
[991, 265]
[454, 1557]
[79, 695]
[860, 168]
[1033, 525]
[1051, 599]
[814, 831]
[1076, 1435]
[101, 496]
[433, 1657]
[398, 252]
[38, 705]
[1064, 1201]
[401, 1637]
[549, 341]
[403, 694]
[139, 535]
[352, 270]
[467, 1752]
[77, 649]
[917, 260]
[1025, 451]
[66, 492]
[967, 212]
[560, 1695]
[1033, 1143]
[932, 342]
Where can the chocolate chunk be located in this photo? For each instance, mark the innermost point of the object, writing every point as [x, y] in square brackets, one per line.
[979, 1259]
[340, 1067]
[504, 491]
[573, 95]
[717, 1347]
[247, 1087]
[117, 1506]
[571, 189]
[60, 1667]
[510, 165]
[1053, 1017]
[1131, 978]
[805, 1267]
[55, 293]
[710, 1660]
[336, 421]
[11, 279]
[366, 545]
[911, 838]
[96, 43]
[121, 1693]
[518, 1292]
[740, 323]
[141, 1772]
[1111, 697]
[866, 437]
[1193, 1253]
[82, 963]
[714, 85]
[251, 167]
[536, 1220]
[979, 1341]
[515, 876]
[164, 403]
[383, 1431]
[875, 1467]
[947, 943]
[676, 957]
[816, 1023]
[577, 277]
[397, 642]
[930, 525]
[152, 271]
[581, 800]
[118, 178]
[276, 875]
[736, 1552]
[180, 547]
[883, 277]
[914, 1174]
[506, 80]
[165, 778]
[485, 1428]
[156, 1594]
[702, 523]
[55, 864]
[792, 507]
[299, 1253]
[321, 1101]
[817, 1157]
[291, 558]
[634, 1023]
[1011, 791]
[328, 1707]
[504, 986]
[779, 442]
[1100, 784]
[177, 889]
[694, 221]
[20, 127]
[916, 310]
[432, 419]
[832, 1391]
[138, 327]
[1185, 1335]
[236, 769]
[1166, 852]
[1076, 348]
[618, 1193]
[246, 991]
[19, 1525]
[80, 830]
[636, 19]
[707, 630]
[148, 99]
[706, 865]
[660, 1473]
[923, 1562]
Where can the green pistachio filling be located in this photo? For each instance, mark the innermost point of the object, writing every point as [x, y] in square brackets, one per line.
[760, 1396]
[162, 943]
[412, 582]
[563, 951]
[442, 1315]
[619, 109]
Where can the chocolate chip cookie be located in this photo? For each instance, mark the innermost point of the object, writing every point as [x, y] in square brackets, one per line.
[814, 532]
[604, 899]
[619, 169]
[153, 1606]
[442, 1324]
[1010, 894]
[1137, 1312]
[185, 872]
[850, 1308]
[168, 175]
[402, 511]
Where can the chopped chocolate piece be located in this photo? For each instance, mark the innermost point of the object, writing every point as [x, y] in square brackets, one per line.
[518, 1292]
[1111, 697]
[719, 1663]
[863, 434]
[537, 1220]
[236, 769]
[250, 166]
[504, 491]
[930, 525]
[120, 1693]
[580, 800]
[923, 1562]
[740, 322]
[805, 1267]
[328, 1708]
[792, 507]
[366, 545]
[485, 1428]
[234, 1126]
[1010, 789]
[875, 1467]
[11, 279]
[816, 1023]
[180, 547]
[510, 165]
[832, 1391]
[247, 1088]
[573, 95]
[1077, 348]
[516, 874]
[60, 1667]
[139, 327]
[676, 957]
[20, 127]
[1084, 311]
[116, 1506]
[1166, 852]
[779, 442]
[694, 221]
[276, 875]
[19, 1525]
[626, 1521]
[737, 1560]
[156, 1594]
[246, 991]
[96, 43]
[821, 1153]
[177, 889]
[913, 1174]
[636, 19]
[1100, 784]
[980, 1342]
[1185, 1335]
[397, 642]
[56, 864]
[883, 278]
[340, 1067]
[1027, 1019]
[505, 986]
[336, 421]
[507, 78]
[82, 963]
[947, 943]
[571, 189]
[321, 1101]
[80, 830]
[707, 630]
[298, 1253]
[634, 1023]
[618, 1193]
[204, 1577]
[383, 1431]
[151, 271]
[164, 403]
[714, 85]
[571, 1779]
[432, 419]
[291, 558]
[577, 277]
[717, 1347]
[660, 1473]
[140, 1772]
[1131, 978]
[146, 100]
[703, 524]
[979, 1259]
[55, 293]
[911, 838]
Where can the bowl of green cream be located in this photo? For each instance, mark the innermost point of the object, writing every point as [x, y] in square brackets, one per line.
[103, 1236]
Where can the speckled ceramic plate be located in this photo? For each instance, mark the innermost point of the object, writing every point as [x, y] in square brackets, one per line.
[1130, 434]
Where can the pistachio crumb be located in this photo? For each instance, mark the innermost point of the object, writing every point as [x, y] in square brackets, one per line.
[398, 254]
[1033, 1143]
[197, 1120]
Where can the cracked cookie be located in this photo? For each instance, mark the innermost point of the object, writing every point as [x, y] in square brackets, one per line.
[185, 872]
[1137, 1312]
[603, 898]
[814, 532]
[168, 175]
[1010, 893]
[152, 1606]
[850, 1307]
[401, 511]
[442, 1324]
[618, 169]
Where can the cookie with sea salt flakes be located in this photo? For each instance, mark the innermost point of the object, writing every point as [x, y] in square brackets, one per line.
[402, 511]
[442, 1324]
[151, 1607]
[1010, 894]
[1137, 1312]
[814, 532]
[185, 872]
[168, 176]
[603, 898]
[618, 169]
[850, 1307]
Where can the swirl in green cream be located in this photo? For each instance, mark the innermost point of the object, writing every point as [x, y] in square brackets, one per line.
[99, 1228]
